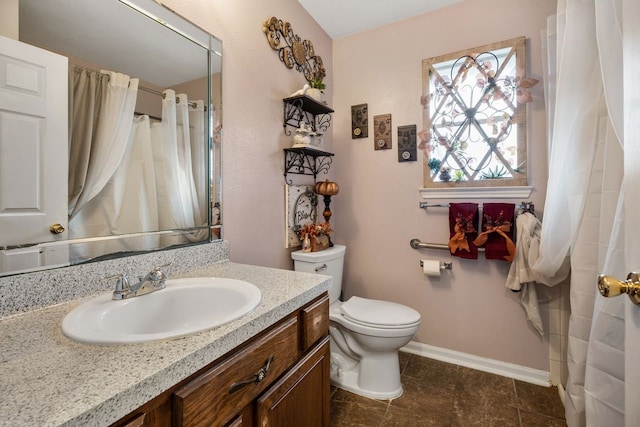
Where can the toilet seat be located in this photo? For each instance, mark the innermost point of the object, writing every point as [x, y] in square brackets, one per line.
[379, 314]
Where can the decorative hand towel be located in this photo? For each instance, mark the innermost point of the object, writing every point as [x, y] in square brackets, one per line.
[497, 234]
[463, 218]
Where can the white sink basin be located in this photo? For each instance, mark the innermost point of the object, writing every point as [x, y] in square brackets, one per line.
[184, 307]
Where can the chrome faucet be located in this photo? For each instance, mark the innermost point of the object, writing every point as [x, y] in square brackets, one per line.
[153, 281]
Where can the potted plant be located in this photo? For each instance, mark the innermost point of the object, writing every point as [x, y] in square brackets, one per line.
[316, 86]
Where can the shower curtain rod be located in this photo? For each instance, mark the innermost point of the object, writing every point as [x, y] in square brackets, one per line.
[146, 89]
[155, 92]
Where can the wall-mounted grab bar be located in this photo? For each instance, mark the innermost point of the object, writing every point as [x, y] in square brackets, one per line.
[417, 244]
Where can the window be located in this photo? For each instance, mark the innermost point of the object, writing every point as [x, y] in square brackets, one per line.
[475, 117]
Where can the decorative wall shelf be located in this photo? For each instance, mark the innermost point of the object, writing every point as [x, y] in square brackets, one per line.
[302, 108]
[306, 161]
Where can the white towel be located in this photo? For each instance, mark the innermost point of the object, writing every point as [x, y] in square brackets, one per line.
[521, 276]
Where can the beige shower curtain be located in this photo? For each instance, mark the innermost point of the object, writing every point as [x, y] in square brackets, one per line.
[98, 142]
[111, 173]
[178, 197]
[129, 175]
[87, 94]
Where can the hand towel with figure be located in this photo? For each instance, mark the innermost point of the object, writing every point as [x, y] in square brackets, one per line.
[497, 231]
[463, 220]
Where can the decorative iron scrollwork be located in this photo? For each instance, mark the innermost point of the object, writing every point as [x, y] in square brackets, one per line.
[292, 50]
[304, 161]
[297, 111]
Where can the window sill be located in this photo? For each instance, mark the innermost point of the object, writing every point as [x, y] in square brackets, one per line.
[515, 192]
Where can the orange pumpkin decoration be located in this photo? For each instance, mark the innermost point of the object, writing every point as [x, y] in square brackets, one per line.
[327, 188]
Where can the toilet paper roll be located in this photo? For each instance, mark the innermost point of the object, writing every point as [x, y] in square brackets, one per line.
[431, 267]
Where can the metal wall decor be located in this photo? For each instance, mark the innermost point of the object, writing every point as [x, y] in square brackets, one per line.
[475, 116]
[407, 143]
[292, 50]
[359, 121]
[382, 132]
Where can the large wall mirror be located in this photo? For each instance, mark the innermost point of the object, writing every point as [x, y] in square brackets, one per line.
[110, 116]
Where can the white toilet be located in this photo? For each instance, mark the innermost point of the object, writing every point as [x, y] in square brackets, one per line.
[365, 334]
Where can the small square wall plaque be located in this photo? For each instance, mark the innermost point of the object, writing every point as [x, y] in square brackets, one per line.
[407, 143]
[382, 132]
[359, 121]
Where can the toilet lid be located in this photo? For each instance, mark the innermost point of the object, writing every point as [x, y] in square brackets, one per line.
[382, 313]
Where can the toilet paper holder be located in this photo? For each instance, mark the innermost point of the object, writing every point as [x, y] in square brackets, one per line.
[444, 265]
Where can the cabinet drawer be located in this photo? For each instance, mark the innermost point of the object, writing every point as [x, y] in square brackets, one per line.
[315, 322]
[209, 399]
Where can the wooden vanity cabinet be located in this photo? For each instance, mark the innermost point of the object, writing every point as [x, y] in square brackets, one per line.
[278, 378]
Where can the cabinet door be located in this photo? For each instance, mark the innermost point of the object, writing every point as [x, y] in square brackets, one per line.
[302, 396]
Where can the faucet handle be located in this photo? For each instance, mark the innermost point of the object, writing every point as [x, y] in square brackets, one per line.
[156, 269]
[158, 275]
[122, 285]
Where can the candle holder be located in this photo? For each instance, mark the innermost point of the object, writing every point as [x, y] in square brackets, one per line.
[327, 189]
[327, 210]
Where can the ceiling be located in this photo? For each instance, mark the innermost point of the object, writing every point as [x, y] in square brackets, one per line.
[341, 18]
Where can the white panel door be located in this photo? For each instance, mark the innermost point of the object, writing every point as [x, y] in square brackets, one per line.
[33, 143]
[631, 49]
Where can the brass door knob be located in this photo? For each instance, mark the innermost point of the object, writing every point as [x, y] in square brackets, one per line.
[56, 228]
[611, 287]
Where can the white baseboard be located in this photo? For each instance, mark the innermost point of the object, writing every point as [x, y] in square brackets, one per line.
[510, 370]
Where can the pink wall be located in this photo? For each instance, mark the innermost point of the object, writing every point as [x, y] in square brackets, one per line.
[254, 82]
[376, 213]
[9, 19]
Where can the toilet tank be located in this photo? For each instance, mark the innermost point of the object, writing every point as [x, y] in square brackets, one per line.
[328, 262]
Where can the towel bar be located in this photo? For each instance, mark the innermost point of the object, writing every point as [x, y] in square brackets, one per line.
[525, 206]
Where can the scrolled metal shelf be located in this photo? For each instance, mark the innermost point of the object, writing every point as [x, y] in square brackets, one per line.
[304, 109]
[306, 161]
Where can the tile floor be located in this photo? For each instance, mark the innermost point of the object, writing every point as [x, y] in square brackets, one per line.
[442, 394]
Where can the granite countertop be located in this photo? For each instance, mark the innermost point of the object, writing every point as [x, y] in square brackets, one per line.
[46, 379]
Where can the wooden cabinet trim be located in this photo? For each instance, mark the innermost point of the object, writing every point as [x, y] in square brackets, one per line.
[138, 421]
[315, 322]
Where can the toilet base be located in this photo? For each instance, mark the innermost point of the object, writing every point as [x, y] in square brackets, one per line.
[348, 379]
